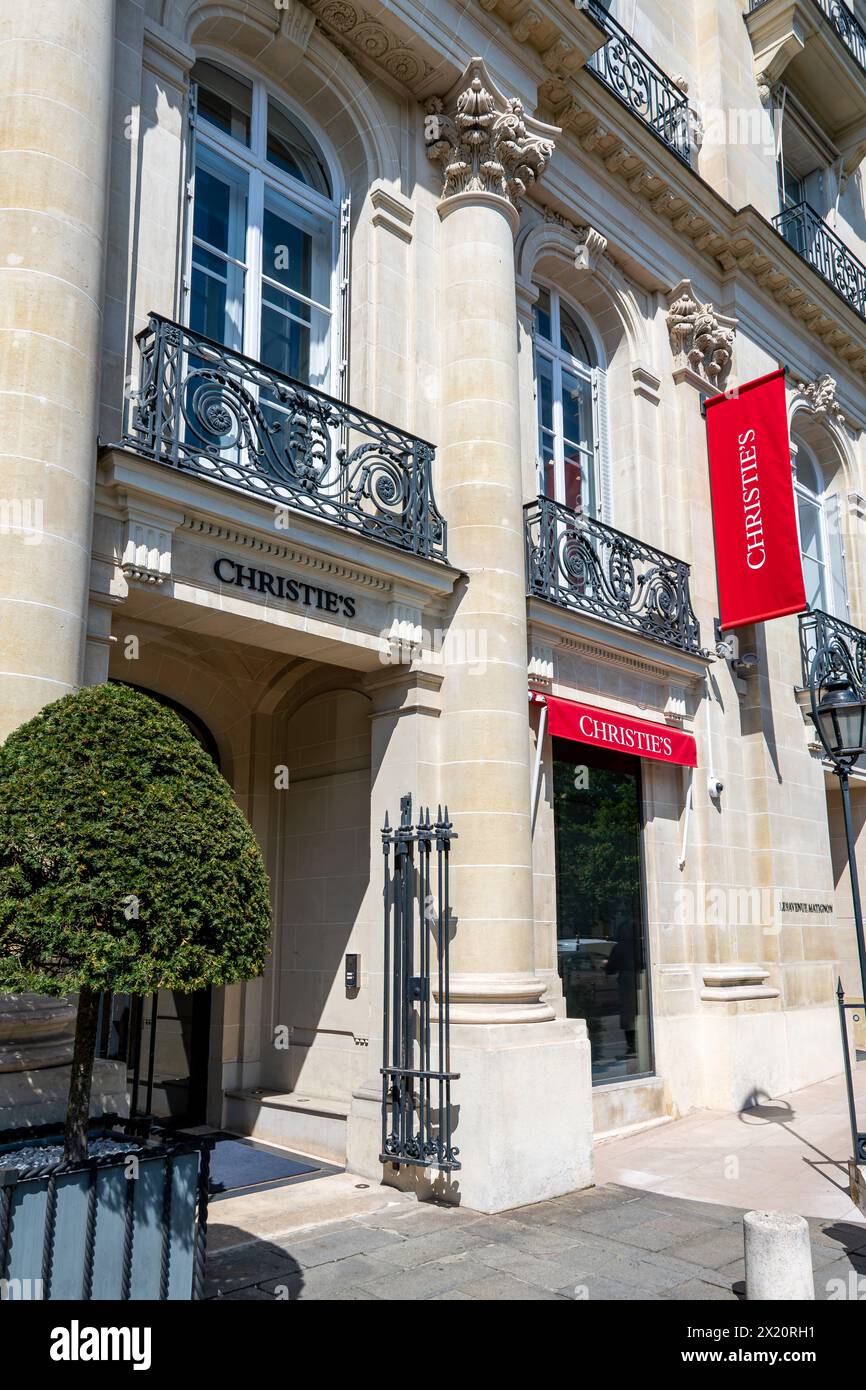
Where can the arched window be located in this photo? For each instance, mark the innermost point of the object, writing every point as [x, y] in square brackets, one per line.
[570, 397]
[821, 547]
[264, 240]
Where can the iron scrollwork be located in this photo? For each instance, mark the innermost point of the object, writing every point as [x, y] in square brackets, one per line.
[831, 649]
[806, 231]
[577, 562]
[208, 410]
[641, 85]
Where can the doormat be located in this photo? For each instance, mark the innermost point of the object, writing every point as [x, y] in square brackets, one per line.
[243, 1164]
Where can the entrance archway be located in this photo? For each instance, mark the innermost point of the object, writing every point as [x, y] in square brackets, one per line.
[164, 1037]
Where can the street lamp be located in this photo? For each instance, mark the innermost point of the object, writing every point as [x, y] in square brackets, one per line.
[839, 716]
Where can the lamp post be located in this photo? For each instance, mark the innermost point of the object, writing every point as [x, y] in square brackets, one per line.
[839, 715]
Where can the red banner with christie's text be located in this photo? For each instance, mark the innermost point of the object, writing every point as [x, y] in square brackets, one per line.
[760, 575]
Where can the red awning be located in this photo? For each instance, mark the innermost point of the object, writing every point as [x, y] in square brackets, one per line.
[620, 732]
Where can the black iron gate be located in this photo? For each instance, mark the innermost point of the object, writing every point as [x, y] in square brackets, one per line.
[416, 1095]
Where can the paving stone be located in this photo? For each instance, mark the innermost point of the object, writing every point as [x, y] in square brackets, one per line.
[713, 1212]
[714, 1250]
[420, 1219]
[453, 1296]
[537, 1240]
[697, 1290]
[550, 1274]
[248, 1264]
[841, 1282]
[625, 1218]
[601, 1290]
[329, 1279]
[339, 1243]
[251, 1294]
[487, 1285]
[420, 1249]
[438, 1276]
[663, 1232]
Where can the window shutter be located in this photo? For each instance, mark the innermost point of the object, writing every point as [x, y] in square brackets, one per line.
[602, 445]
[344, 274]
[185, 267]
[837, 596]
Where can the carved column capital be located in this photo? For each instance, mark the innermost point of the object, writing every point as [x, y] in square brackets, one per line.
[484, 141]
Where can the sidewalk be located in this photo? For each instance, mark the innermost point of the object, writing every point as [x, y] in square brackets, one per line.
[788, 1154]
[608, 1243]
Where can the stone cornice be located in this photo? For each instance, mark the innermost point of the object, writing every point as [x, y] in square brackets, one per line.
[739, 243]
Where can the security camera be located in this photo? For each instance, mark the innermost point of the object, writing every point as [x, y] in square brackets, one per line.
[715, 787]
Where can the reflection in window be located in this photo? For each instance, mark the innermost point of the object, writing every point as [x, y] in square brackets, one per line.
[601, 936]
[565, 366]
[264, 230]
[821, 543]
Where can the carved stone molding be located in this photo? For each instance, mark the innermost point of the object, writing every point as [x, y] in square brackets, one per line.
[821, 396]
[483, 140]
[540, 665]
[146, 552]
[591, 249]
[725, 984]
[701, 339]
[296, 22]
[390, 45]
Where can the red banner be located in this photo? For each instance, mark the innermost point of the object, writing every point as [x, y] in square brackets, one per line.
[758, 566]
[621, 732]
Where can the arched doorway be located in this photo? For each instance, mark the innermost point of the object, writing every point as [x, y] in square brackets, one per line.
[164, 1037]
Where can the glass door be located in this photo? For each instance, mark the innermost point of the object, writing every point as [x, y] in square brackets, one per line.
[601, 933]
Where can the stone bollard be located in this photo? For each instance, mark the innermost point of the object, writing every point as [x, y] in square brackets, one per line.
[778, 1257]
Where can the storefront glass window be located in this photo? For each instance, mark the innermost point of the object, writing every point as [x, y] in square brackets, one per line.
[601, 935]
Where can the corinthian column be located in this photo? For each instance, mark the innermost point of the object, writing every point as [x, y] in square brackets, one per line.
[56, 84]
[524, 1119]
[490, 152]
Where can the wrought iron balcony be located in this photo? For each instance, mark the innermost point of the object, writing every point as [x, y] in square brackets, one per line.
[829, 647]
[805, 230]
[842, 19]
[640, 84]
[207, 410]
[581, 564]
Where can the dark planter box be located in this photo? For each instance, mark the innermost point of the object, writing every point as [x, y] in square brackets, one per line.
[106, 1228]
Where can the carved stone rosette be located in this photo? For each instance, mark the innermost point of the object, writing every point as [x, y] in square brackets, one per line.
[484, 141]
[701, 338]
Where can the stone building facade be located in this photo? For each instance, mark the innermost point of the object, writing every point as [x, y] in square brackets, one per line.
[537, 234]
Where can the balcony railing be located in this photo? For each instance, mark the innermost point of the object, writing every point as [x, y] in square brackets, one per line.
[829, 647]
[842, 19]
[581, 564]
[212, 412]
[640, 84]
[805, 230]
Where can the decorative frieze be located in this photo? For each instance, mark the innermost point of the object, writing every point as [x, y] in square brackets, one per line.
[483, 140]
[701, 339]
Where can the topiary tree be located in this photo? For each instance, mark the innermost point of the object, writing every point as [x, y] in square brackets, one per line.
[125, 865]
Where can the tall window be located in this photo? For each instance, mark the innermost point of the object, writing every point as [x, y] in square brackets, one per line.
[264, 233]
[821, 546]
[567, 388]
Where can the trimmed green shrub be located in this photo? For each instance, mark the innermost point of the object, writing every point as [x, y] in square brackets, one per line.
[125, 863]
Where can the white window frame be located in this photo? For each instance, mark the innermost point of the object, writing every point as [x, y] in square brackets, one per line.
[596, 379]
[263, 177]
[834, 587]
